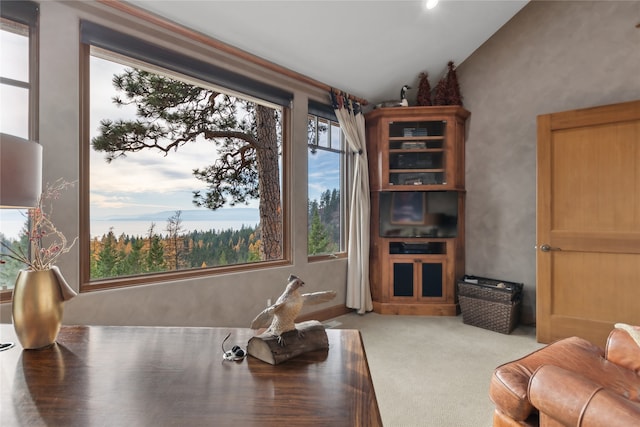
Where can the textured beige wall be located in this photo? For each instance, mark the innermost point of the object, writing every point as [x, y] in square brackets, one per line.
[552, 56]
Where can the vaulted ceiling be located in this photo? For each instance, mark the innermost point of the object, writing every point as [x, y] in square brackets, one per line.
[367, 48]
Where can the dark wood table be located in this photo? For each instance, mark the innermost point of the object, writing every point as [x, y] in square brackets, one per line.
[160, 376]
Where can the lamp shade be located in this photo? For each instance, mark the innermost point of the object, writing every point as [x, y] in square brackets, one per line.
[20, 172]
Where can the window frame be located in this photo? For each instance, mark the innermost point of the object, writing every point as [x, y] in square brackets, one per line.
[86, 284]
[26, 13]
[320, 112]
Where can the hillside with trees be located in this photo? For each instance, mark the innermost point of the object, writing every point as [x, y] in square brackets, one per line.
[172, 248]
[126, 255]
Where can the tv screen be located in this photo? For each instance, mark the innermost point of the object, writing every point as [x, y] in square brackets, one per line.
[419, 214]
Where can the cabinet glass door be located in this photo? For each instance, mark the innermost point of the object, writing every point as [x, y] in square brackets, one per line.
[417, 153]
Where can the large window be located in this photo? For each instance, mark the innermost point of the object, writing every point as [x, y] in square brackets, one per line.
[14, 74]
[18, 104]
[184, 175]
[326, 188]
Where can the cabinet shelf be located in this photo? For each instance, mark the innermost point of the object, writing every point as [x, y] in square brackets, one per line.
[415, 144]
[416, 150]
[414, 170]
[416, 138]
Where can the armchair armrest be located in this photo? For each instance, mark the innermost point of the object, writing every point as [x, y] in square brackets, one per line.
[567, 398]
[623, 347]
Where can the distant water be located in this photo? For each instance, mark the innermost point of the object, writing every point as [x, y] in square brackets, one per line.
[141, 228]
[11, 228]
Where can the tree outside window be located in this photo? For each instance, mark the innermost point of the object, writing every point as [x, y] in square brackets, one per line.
[183, 176]
[326, 204]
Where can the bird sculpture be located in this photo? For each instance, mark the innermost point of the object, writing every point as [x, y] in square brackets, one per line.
[280, 317]
[395, 103]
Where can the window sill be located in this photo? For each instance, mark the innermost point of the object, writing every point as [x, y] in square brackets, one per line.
[326, 257]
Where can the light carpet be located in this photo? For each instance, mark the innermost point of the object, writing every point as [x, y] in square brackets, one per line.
[431, 371]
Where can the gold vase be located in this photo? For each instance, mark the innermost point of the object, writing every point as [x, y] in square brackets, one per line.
[37, 308]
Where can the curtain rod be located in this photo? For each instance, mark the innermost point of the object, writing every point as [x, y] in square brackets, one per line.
[211, 42]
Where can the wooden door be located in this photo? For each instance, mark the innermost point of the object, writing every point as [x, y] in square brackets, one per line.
[588, 222]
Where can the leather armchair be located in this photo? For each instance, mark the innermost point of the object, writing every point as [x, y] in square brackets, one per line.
[571, 383]
[564, 398]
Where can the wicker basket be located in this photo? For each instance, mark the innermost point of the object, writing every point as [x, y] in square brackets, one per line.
[489, 303]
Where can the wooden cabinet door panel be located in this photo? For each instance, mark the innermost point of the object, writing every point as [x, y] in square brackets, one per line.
[588, 222]
[418, 278]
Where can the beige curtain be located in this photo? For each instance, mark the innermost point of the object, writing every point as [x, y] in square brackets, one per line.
[352, 124]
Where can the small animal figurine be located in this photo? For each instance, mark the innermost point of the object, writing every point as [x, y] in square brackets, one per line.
[280, 317]
[401, 103]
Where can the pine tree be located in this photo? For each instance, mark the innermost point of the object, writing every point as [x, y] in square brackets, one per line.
[328, 212]
[155, 254]
[172, 113]
[133, 263]
[108, 258]
[318, 240]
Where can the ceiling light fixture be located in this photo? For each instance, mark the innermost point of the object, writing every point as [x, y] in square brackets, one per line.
[431, 4]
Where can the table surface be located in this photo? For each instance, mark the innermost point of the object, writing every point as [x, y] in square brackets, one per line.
[158, 376]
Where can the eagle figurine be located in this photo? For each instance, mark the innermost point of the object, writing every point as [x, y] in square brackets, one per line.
[280, 317]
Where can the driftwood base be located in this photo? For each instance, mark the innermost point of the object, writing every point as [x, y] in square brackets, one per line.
[308, 336]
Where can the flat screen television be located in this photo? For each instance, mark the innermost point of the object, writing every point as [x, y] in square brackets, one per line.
[419, 214]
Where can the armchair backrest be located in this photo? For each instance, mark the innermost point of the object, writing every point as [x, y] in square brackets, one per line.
[623, 350]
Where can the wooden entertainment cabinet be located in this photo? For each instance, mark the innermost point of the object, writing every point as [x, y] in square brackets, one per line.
[416, 162]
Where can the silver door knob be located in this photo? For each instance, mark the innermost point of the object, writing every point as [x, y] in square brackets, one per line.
[548, 248]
